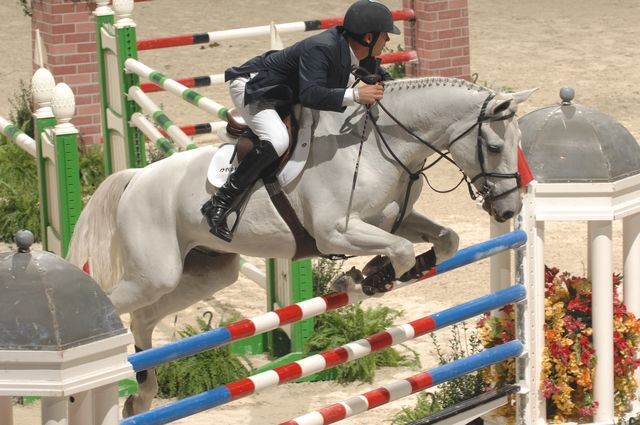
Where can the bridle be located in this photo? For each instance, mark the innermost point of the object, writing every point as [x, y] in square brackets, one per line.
[486, 191]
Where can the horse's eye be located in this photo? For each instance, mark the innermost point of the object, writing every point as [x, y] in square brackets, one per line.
[494, 148]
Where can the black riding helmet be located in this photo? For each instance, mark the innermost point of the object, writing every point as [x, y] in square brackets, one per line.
[368, 16]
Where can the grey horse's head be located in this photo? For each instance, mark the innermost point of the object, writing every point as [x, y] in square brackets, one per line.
[485, 146]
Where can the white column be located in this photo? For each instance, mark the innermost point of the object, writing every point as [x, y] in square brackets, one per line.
[81, 408]
[530, 403]
[54, 411]
[500, 264]
[6, 410]
[105, 405]
[602, 316]
[631, 275]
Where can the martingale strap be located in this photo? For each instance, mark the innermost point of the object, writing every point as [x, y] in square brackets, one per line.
[305, 244]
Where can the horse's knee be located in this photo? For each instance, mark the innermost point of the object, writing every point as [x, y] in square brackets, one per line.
[446, 245]
[402, 256]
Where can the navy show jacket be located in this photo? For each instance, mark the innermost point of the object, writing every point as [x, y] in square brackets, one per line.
[313, 72]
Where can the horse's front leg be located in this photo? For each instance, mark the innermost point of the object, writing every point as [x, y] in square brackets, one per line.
[359, 238]
[418, 228]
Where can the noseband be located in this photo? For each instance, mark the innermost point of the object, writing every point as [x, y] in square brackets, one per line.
[486, 192]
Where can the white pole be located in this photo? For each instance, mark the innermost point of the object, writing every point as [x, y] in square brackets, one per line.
[105, 405]
[54, 411]
[602, 317]
[253, 273]
[631, 275]
[530, 403]
[500, 264]
[81, 408]
[6, 410]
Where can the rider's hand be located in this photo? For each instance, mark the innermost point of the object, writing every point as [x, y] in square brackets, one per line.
[369, 94]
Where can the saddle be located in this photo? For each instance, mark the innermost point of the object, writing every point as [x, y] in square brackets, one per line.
[238, 131]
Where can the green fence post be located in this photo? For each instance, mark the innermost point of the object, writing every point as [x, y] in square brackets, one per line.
[42, 85]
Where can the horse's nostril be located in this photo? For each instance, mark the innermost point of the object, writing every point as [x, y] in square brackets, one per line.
[507, 215]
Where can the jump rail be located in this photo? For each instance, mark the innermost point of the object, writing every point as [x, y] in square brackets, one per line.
[202, 128]
[326, 360]
[17, 136]
[234, 34]
[172, 86]
[313, 307]
[413, 384]
[150, 108]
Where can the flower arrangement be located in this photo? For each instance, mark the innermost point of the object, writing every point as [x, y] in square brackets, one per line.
[569, 356]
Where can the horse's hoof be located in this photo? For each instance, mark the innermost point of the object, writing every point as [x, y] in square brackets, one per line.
[347, 281]
[375, 264]
[127, 409]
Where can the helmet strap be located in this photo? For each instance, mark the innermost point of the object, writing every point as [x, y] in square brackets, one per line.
[360, 39]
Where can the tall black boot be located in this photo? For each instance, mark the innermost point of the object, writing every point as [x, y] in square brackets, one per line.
[225, 200]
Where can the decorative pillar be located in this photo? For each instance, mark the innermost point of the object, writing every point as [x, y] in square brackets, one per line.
[631, 273]
[68, 36]
[440, 35]
[602, 317]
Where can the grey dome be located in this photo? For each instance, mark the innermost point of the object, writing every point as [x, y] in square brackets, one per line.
[48, 304]
[570, 142]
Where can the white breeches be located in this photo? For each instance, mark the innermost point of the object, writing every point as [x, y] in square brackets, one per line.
[266, 123]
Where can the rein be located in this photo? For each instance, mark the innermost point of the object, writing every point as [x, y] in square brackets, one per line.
[485, 192]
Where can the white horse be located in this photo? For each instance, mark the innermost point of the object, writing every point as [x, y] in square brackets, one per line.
[150, 249]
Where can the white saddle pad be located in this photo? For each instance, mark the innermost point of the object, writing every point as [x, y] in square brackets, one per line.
[221, 165]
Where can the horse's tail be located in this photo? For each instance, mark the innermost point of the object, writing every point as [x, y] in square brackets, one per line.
[94, 242]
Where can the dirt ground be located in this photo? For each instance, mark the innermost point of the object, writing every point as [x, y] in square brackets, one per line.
[586, 44]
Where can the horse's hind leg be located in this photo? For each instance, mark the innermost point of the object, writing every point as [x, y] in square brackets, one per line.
[203, 275]
[153, 267]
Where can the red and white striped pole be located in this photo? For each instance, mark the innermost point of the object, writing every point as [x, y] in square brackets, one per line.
[234, 34]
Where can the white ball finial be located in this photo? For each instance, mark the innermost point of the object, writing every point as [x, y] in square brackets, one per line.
[123, 9]
[42, 85]
[64, 106]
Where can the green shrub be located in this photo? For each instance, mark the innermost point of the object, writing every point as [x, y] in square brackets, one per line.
[19, 199]
[323, 272]
[19, 184]
[199, 373]
[91, 161]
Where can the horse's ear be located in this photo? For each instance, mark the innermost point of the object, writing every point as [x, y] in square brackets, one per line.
[521, 96]
[496, 106]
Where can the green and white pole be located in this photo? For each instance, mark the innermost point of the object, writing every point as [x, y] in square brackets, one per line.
[104, 20]
[151, 109]
[56, 152]
[19, 137]
[123, 144]
[138, 68]
[152, 133]
[62, 165]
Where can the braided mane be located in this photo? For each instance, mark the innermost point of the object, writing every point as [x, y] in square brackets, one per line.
[414, 83]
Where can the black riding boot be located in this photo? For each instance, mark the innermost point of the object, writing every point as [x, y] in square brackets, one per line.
[225, 199]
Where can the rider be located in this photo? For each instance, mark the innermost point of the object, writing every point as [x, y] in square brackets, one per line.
[314, 72]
